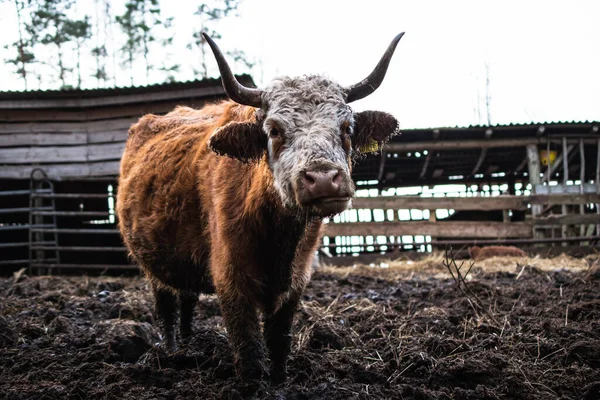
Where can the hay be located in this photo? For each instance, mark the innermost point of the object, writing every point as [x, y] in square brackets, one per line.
[432, 265]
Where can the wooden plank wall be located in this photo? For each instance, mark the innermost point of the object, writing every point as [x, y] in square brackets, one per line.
[64, 150]
[72, 138]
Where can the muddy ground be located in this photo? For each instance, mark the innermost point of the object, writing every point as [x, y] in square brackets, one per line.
[403, 332]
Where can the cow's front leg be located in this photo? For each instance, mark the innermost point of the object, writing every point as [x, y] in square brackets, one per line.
[187, 301]
[278, 336]
[165, 306]
[242, 322]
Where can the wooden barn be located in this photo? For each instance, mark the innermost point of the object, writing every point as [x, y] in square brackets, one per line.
[60, 151]
[529, 183]
[59, 160]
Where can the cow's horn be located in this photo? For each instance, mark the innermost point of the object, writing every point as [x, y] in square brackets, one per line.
[372, 82]
[236, 91]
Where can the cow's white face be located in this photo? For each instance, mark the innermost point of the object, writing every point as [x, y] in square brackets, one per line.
[309, 128]
[308, 133]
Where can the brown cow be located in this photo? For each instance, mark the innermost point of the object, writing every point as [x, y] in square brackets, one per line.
[230, 198]
[481, 253]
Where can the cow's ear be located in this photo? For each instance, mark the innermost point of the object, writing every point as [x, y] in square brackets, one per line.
[372, 129]
[244, 141]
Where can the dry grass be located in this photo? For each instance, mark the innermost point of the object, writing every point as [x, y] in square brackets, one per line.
[432, 265]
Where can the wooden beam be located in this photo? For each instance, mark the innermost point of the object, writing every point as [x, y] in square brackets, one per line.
[53, 154]
[470, 203]
[534, 168]
[100, 113]
[597, 181]
[382, 156]
[67, 127]
[582, 166]
[521, 165]
[598, 164]
[482, 154]
[60, 139]
[423, 174]
[434, 203]
[468, 144]
[435, 229]
[568, 219]
[566, 189]
[546, 176]
[533, 164]
[558, 199]
[458, 144]
[581, 183]
[63, 171]
[565, 161]
[118, 99]
[425, 166]
[42, 139]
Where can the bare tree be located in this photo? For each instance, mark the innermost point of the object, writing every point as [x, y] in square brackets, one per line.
[51, 26]
[131, 47]
[63, 38]
[167, 67]
[488, 110]
[208, 16]
[99, 51]
[487, 100]
[79, 31]
[24, 47]
[139, 23]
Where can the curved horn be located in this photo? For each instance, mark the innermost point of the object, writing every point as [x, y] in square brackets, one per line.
[236, 91]
[372, 82]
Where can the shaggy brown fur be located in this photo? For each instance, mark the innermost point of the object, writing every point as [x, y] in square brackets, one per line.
[481, 253]
[198, 222]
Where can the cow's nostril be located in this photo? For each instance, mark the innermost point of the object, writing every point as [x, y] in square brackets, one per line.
[311, 177]
[337, 178]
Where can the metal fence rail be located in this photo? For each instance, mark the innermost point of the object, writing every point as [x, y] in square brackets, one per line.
[14, 220]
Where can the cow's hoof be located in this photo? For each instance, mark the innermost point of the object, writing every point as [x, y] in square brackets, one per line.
[278, 375]
[169, 345]
[252, 389]
[186, 333]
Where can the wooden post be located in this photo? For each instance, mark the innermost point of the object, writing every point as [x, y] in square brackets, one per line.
[533, 164]
[565, 162]
[432, 216]
[581, 181]
[38, 220]
[557, 163]
[382, 158]
[549, 166]
[597, 179]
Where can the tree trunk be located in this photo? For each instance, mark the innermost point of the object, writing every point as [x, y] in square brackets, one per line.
[21, 47]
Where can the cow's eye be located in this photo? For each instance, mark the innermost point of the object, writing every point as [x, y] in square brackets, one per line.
[274, 133]
[346, 129]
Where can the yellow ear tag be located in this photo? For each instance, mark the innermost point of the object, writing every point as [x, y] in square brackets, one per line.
[370, 147]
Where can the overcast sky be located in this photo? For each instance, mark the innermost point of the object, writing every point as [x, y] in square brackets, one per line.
[543, 56]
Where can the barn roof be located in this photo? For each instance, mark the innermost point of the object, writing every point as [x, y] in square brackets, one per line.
[475, 153]
[81, 98]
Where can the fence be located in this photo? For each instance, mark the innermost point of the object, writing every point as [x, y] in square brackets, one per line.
[77, 230]
[64, 220]
[456, 232]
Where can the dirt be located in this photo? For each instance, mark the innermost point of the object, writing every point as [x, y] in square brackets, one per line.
[394, 333]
